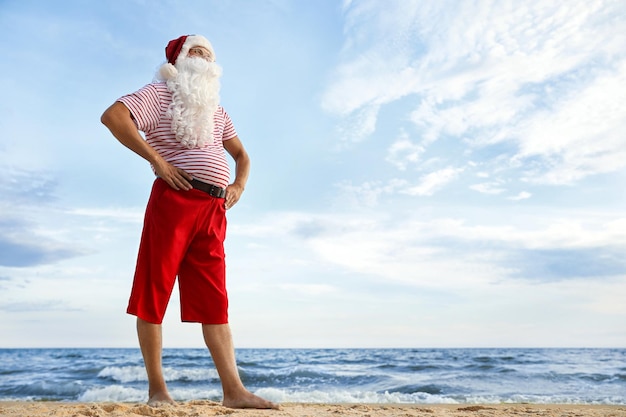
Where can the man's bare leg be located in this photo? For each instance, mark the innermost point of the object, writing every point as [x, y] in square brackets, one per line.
[219, 340]
[151, 344]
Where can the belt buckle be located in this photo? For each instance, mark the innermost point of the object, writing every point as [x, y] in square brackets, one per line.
[215, 191]
[210, 189]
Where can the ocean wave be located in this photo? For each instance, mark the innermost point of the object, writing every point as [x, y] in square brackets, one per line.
[124, 374]
[310, 378]
[346, 396]
[119, 393]
[113, 393]
[412, 389]
[128, 374]
[370, 397]
[44, 390]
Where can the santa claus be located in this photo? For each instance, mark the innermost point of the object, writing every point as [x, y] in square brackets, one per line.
[187, 135]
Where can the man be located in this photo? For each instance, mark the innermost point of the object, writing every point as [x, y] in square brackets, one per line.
[186, 133]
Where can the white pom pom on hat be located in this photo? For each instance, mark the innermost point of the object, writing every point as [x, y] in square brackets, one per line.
[167, 71]
[180, 47]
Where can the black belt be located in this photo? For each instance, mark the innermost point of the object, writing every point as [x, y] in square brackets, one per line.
[210, 189]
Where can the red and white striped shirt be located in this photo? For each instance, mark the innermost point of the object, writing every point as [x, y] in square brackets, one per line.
[208, 164]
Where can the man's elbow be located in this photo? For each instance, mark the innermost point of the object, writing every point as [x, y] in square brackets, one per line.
[104, 119]
[114, 113]
[107, 117]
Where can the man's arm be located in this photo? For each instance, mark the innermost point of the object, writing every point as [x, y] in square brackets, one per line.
[119, 121]
[242, 169]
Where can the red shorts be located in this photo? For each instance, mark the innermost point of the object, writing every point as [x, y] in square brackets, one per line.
[183, 235]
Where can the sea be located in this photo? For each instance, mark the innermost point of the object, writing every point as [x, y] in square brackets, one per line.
[412, 376]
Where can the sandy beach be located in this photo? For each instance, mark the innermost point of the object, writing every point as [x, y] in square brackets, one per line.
[200, 408]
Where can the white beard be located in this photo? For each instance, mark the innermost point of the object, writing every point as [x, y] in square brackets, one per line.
[195, 97]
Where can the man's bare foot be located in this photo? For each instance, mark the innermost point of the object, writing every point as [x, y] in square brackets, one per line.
[160, 399]
[249, 400]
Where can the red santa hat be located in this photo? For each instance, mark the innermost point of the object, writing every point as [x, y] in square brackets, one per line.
[179, 48]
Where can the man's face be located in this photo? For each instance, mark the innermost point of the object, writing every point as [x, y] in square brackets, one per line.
[201, 52]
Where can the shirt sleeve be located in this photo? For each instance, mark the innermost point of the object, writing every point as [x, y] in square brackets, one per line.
[229, 128]
[145, 107]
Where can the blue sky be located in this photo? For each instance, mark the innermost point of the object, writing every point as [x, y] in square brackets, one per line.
[424, 173]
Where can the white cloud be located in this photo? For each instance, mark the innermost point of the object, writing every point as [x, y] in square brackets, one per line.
[583, 134]
[545, 78]
[366, 194]
[523, 195]
[404, 152]
[430, 183]
[359, 125]
[132, 215]
[435, 251]
[309, 289]
[493, 187]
